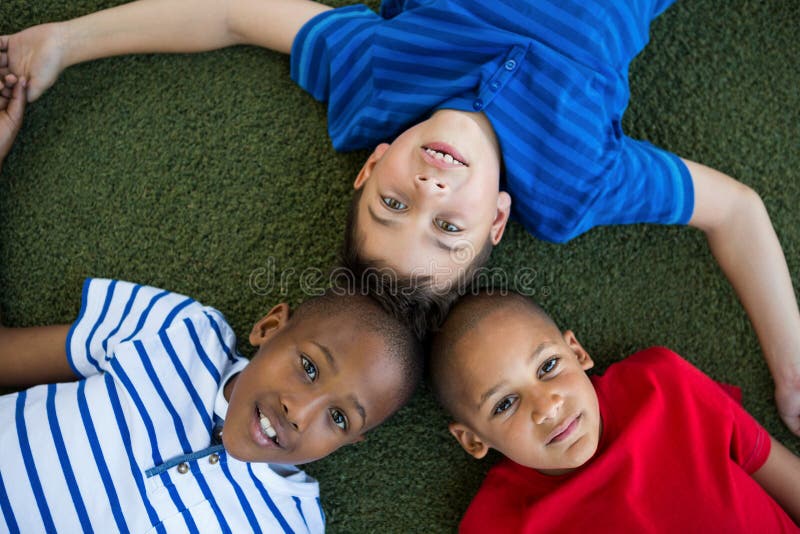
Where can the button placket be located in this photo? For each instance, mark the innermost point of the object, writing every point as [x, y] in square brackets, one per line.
[501, 76]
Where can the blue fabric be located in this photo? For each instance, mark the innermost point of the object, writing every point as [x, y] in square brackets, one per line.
[551, 76]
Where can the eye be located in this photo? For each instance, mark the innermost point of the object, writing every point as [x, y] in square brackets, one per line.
[393, 204]
[309, 367]
[503, 405]
[548, 367]
[339, 419]
[446, 226]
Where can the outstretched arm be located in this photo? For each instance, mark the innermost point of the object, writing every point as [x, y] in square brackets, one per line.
[40, 53]
[35, 355]
[780, 477]
[742, 239]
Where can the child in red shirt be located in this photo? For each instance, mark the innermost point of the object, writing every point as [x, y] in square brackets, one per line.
[652, 445]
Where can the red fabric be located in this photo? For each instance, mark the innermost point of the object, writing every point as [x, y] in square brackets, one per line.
[675, 455]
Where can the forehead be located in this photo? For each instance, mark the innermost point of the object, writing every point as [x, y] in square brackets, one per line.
[359, 357]
[497, 344]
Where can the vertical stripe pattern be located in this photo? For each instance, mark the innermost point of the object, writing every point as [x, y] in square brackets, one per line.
[128, 447]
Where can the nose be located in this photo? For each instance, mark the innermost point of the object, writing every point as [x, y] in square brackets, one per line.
[546, 407]
[300, 410]
[430, 183]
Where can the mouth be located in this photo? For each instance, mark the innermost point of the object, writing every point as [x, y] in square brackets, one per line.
[444, 153]
[264, 433]
[564, 430]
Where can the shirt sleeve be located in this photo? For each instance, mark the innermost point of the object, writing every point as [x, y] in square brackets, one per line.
[331, 60]
[647, 185]
[113, 312]
[747, 441]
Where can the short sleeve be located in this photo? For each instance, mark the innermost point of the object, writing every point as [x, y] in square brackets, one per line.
[720, 416]
[113, 312]
[750, 442]
[331, 60]
[648, 185]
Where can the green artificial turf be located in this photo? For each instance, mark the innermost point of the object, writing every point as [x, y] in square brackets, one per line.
[203, 173]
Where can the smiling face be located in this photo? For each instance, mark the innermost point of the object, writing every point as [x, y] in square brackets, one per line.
[316, 383]
[431, 199]
[518, 385]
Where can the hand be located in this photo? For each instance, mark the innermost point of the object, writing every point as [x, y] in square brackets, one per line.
[35, 54]
[12, 106]
[787, 398]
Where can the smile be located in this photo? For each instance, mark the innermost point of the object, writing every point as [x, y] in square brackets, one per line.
[446, 153]
[564, 430]
[266, 426]
[441, 155]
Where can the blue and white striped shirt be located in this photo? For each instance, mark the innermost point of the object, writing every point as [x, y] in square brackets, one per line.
[551, 76]
[128, 447]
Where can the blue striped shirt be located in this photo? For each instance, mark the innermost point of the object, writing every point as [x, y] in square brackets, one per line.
[551, 76]
[128, 447]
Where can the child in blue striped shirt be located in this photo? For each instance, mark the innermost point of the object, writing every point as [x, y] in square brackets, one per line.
[471, 104]
[148, 419]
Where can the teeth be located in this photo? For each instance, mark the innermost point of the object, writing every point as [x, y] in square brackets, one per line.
[266, 426]
[441, 155]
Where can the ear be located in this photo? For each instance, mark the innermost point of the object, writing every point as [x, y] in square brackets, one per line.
[468, 440]
[268, 325]
[583, 357]
[366, 170]
[501, 219]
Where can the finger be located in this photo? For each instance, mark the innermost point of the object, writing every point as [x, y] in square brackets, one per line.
[16, 107]
[4, 42]
[3, 59]
[6, 92]
[7, 80]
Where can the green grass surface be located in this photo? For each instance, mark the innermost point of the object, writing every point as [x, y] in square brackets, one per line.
[193, 173]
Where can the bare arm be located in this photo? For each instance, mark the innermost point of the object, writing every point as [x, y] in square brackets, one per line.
[35, 355]
[742, 239]
[40, 53]
[780, 477]
[187, 26]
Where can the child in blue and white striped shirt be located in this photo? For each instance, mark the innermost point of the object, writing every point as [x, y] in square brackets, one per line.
[149, 420]
[470, 104]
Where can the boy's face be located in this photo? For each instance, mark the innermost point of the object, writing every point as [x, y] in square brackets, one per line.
[431, 199]
[521, 388]
[316, 383]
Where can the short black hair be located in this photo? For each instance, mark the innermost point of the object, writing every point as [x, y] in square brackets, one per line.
[415, 298]
[377, 317]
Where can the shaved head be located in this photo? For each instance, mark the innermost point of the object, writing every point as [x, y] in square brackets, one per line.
[470, 313]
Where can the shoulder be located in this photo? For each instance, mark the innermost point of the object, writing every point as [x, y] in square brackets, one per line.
[662, 370]
[653, 361]
[498, 506]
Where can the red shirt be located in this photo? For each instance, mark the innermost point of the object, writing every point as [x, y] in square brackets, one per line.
[676, 455]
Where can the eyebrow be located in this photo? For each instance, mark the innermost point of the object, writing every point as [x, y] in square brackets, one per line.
[389, 223]
[360, 410]
[352, 398]
[492, 390]
[328, 356]
[380, 220]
